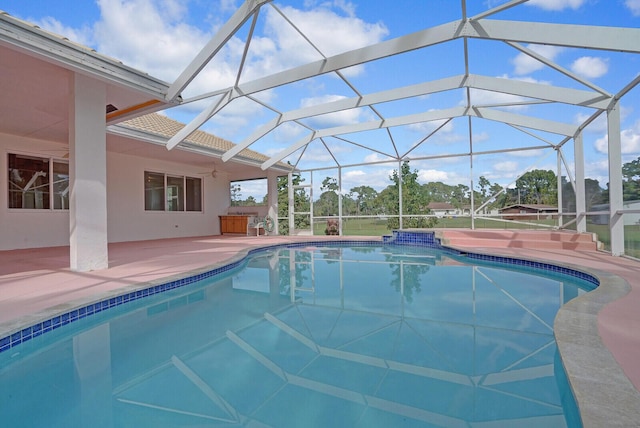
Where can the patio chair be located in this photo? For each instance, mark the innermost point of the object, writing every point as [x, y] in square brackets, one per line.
[254, 223]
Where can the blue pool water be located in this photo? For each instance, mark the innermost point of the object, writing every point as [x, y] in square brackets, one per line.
[371, 336]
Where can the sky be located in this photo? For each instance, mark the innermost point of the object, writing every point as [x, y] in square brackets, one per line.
[161, 37]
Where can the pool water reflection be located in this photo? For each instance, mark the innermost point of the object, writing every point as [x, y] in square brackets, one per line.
[317, 336]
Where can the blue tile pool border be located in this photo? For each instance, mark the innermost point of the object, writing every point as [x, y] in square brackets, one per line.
[403, 238]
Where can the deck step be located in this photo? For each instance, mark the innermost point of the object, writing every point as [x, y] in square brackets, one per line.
[519, 239]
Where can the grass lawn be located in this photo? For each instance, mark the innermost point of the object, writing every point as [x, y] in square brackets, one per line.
[378, 227]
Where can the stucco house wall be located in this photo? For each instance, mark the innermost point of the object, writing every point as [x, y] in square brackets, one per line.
[29, 228]
[127, 219]
[126, 216]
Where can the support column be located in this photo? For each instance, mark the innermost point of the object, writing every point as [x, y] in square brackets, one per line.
[559, 186]
[291, 197]
[340, 200]
[92, 363]
[616, 223]
[581, 199]
[87, 174]
[400, 208]
[272, 200]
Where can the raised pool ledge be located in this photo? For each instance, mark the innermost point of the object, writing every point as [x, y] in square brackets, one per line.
[604, 394]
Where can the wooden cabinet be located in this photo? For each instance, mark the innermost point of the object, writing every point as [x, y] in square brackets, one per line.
[233, 224]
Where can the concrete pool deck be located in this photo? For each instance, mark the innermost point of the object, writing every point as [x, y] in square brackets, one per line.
[598, 334]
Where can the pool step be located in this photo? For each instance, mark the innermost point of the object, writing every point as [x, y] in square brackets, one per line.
[534, 239]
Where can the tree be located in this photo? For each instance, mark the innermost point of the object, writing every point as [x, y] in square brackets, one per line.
[631, 170]
[594, 194]
[538, 187]
[236, 196]
[364, 200]
[484, 186]
[438, 191]
[300, 200]
[631, 182]
[327, 203]
[329, 184]
[499, 194]
[414, 199]
[460, 196]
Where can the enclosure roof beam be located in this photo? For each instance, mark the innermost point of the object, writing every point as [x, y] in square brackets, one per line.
[524, 121]
[539, 91]
[497, 9]
[557, 67]
[345, 104]
[507, 86]
[580, 36]
[367, 126]
[417, 40]
[244, 12]
[434, 115]
[617, 39]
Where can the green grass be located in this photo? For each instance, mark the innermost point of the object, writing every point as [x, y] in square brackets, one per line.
[377, 227]
[631, 238]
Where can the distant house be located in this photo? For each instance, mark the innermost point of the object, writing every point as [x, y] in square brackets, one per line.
[443, 209]
[529, 212]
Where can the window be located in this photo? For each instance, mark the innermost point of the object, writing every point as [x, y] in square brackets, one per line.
[247, 193]
[163, 192]
[175, 193]
[38, 183]
[194, 192]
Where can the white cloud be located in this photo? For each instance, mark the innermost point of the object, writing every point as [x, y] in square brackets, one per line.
[598, 170]
[378, 178]
[330, 32]
[629, 141]
[529, 153]
[344, 117]
[150, 36]
[556, 5]
[375, 157]
[235, 117]
[480, 137]
[354, 174]
[78, 35]
[634, 6]
[157, 38]
[600, 124]
[429, 175]
[425, 128]
[590, 67]
[524, 64]
[506, 166]
[288, 132]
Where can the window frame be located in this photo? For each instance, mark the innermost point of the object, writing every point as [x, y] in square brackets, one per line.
[176, 195]
[54, 185]
[234, 203]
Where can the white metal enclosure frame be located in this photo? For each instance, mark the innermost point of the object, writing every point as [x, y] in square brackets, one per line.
[592, 100]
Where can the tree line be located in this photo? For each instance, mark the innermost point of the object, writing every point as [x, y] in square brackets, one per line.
[537, 186]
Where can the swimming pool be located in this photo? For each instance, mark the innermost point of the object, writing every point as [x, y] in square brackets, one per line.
[372, 335]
